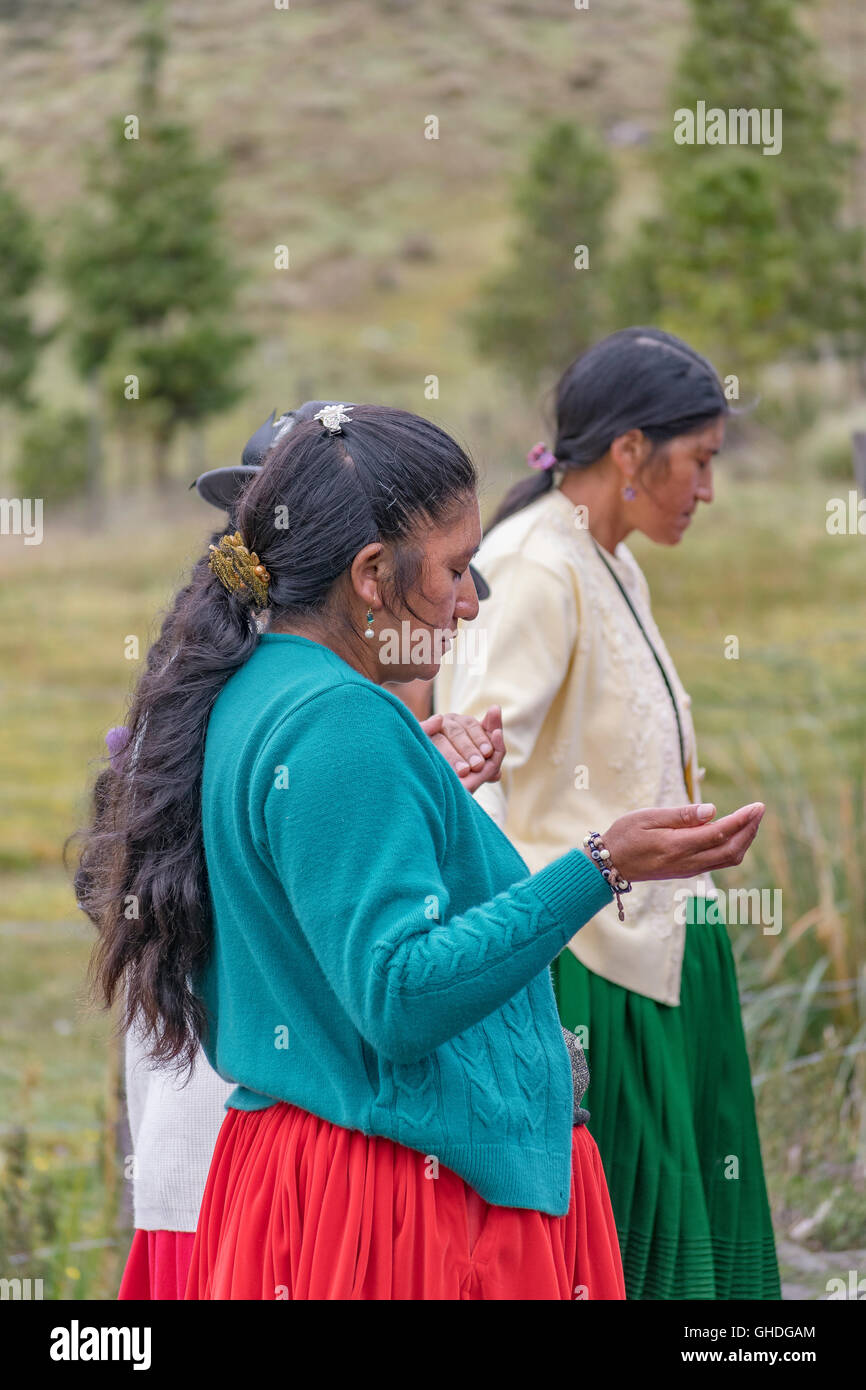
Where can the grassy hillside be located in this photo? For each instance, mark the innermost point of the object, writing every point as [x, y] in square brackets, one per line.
[320, 113]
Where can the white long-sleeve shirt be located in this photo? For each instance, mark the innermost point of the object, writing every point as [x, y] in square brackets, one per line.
[174, 1129]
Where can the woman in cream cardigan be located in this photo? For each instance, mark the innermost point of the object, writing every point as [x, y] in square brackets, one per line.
[596, 722]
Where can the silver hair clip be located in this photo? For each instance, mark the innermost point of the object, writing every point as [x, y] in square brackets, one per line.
[333, 417]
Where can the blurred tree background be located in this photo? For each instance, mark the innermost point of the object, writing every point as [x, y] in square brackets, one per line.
[751, 254]
[208, 210]
[555, 134]
[149, 283]
[538, 313]
[20, 265]
[755, 252]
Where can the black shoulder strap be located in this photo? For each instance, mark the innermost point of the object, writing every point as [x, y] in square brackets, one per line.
[615, 577]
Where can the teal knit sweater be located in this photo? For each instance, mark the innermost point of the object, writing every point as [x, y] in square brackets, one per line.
[380, 951]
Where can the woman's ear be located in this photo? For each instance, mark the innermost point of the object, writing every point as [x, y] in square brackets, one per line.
[630, 451]
[365, 574]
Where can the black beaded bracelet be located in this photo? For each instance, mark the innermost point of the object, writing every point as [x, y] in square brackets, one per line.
[612, 876]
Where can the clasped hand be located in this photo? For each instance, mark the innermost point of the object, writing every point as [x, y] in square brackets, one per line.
[474, 750]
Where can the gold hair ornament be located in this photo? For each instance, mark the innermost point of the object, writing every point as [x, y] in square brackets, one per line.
[238, 569]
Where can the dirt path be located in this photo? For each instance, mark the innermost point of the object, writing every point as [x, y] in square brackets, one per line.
[806, 1273]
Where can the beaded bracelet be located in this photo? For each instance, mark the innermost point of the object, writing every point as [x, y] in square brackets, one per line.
[614, 879]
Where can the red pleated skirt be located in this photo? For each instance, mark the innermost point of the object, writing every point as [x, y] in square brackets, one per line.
[157, 1265]
[298, 1208]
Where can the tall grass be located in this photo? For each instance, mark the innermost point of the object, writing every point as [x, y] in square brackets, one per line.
[63, 1220]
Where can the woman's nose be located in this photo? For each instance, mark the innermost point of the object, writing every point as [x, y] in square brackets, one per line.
[466, 605]
[705, 486]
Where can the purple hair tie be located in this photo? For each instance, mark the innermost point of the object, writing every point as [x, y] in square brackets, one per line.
[541, 457]
[117, 740]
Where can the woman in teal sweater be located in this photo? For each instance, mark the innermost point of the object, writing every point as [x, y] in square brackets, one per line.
[317, 898]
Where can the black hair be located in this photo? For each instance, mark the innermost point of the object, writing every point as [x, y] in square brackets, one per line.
[638, 378]
[317, 501]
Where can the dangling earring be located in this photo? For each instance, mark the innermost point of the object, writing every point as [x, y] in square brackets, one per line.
[369, 629]
[629, 493]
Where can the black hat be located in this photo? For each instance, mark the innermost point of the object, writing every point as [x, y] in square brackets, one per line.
[223, 486]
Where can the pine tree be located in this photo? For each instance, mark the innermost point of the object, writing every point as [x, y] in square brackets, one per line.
[150, 282]
[750, 254]
[20, 267]
[541, 309]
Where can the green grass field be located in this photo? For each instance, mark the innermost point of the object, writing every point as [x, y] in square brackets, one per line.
[784, 724]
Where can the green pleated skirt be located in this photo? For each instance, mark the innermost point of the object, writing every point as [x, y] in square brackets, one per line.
[673, 1115]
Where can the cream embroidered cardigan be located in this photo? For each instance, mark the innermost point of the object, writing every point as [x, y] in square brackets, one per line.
[590, 731]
